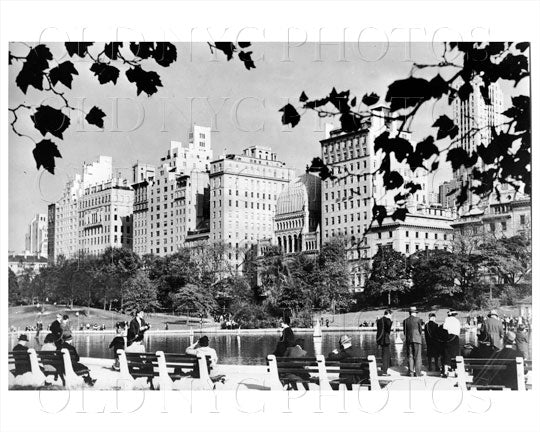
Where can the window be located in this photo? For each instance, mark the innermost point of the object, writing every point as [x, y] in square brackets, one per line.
[406, 233]
[522, 219]
[503, 226]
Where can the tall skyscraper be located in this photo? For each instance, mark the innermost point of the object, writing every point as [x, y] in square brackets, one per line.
[36, 236]
[171, 202]
[243, 194]
[475, 117]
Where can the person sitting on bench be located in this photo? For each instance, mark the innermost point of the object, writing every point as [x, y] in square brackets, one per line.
[344, 354]
[508, 376]
[67, 343]
[21, 346]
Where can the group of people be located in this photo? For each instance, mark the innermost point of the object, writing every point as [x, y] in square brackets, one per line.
[443, 343]
[59, 337]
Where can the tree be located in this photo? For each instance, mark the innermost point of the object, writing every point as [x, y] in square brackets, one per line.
[330, 281]
[505, 159]
[508, 258]
[192, 299]
[434, 275]
[140, 293]
[14, 295]
[389, 274]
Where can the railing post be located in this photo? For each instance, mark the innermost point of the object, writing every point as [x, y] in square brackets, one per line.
[126, 379]
[165, 381]
[72, 380]
[520, 374]
[273, 375]
[460, 372]
[324, 383]
[373, 375]
[38, 377]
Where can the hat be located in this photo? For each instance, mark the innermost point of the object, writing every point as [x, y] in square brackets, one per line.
[452, 312]
[67, 337]
[510, 336]
[344, 340]
[493, 312]
[203, 341]
[23, 337]
[412, 309]
[432, 314]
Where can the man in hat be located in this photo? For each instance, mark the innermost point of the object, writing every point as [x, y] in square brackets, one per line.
[21, 368]
[451, 344]
[346, 353]
[494, 328]
[433, 342]
[56, 330]
[384, 327]
[412, 328]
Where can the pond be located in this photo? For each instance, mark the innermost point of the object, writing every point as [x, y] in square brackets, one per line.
[246, 349]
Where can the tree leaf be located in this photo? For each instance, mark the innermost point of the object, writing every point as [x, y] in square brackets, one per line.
[51, 120]
[370, 99]
[407, 93]
[32, 71]
[78, 48]
[111, 49]
[143, 50]
[95, 117]
[457, 157]
[44, 154]
[290, 115]
[146, 81]
[392, 180]
[522, 46]
[244, 44]
[349, 122]
[303, 97]
[105, 73]
[438, 87]
[446, 127]
[465, 91]
[228, 48]
[63, 73]
[245, 56]
[379, 213]
[164, 53]
[400, 214]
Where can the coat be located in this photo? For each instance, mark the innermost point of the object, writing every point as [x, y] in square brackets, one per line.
[412, 328]
[136, 331]
[56, 330]
[384, 327]
[495, 331]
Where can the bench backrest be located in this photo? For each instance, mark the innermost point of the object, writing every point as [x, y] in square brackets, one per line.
[487, 370]
[19, 360]
[142, 364]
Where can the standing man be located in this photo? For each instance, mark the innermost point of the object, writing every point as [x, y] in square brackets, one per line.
[494, 329]
[433, 342]
[412, 328]
[384, 327]
[451, 345]
[57, 330]
[135, 334]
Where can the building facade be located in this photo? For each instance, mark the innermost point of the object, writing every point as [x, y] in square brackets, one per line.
[106, 217]
[448, 192]
[51, 220]
[508, 217]
[142, 172]
[66, 220]
[297, 223]
[243, 194]
[36, 237]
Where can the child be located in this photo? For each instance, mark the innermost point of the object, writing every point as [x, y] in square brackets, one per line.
[119, 342]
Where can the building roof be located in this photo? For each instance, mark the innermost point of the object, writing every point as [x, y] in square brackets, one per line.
[302, 193]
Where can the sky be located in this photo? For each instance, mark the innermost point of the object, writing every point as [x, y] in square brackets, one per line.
[241, 106]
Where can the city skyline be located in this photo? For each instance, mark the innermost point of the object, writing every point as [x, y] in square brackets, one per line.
[247, 103]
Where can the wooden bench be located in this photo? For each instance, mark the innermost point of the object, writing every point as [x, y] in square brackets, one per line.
[286, 373]
[19, 362]
[479, 373]
[168, 368]
[60, 364]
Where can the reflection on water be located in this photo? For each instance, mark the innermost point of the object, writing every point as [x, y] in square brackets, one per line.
[240, 349]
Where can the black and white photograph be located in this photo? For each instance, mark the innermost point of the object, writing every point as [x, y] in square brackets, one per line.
[265, 221]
